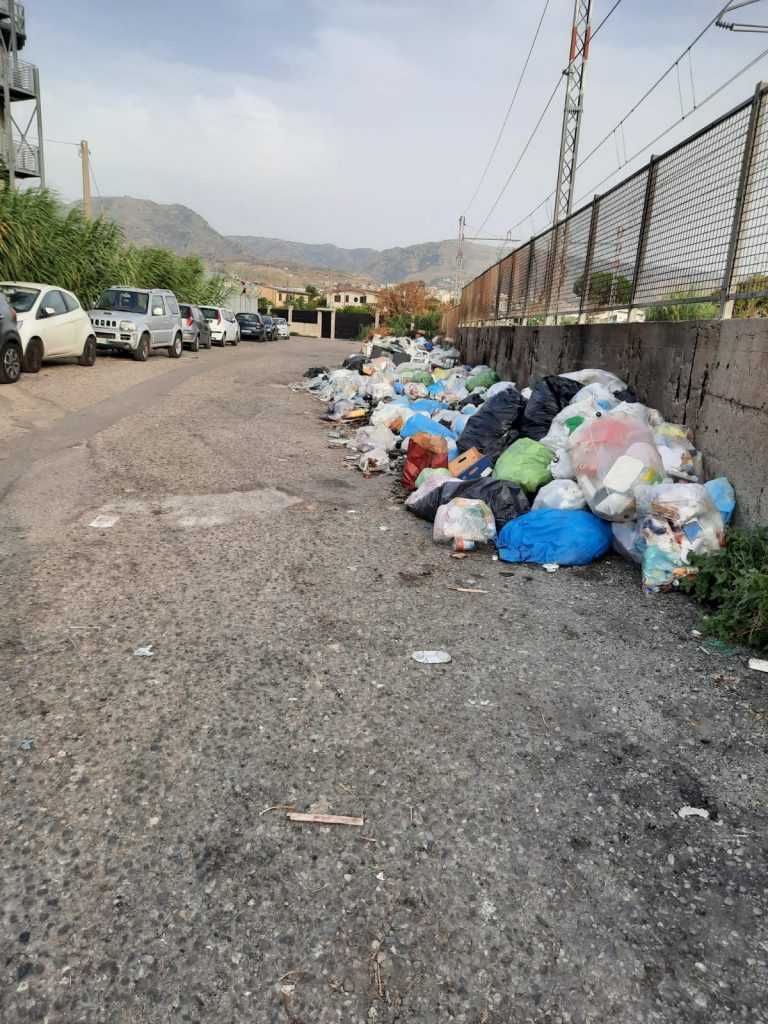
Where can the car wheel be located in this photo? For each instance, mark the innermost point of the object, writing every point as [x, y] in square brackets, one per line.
[195, 346]
[141, 355]
[223, 341]
[88, 355]
[33, 356]
[176, 348]
[210, 342]
[10, 362]
[237, 339]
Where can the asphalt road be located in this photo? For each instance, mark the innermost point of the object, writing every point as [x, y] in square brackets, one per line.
[522, 857]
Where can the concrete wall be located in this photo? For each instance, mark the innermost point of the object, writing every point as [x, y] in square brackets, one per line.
[711, 375]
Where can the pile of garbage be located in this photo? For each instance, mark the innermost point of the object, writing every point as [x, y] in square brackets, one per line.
[556, 473]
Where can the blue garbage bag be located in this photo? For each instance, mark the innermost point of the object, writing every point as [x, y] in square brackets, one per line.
[427, 405]
[723, 495]
[420, 423]
[573, 537]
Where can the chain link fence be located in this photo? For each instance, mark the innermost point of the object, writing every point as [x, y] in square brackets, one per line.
[690, 227]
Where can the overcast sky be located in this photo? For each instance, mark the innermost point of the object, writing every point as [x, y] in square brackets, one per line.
[357, 122]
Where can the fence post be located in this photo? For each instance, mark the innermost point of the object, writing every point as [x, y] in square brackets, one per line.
[740, 209]
[531, 252]
[642, 241]
[583, 298]
[550, 274]
[498, 291]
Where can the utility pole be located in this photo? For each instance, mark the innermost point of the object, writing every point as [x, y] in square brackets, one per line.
[85, 156]
[574, 107]
[460, 261]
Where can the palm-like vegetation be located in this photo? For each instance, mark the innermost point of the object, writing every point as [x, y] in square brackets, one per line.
[41, 241]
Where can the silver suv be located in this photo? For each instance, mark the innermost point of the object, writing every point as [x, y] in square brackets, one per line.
[137, 320]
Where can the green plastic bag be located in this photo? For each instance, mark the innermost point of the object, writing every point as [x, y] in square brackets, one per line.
[525, 462]
[484, 379]
[421, 377]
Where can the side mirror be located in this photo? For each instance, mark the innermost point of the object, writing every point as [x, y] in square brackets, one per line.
[158, 311]
[49, 311]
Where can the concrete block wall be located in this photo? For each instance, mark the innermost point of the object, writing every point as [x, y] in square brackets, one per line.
[710, 375]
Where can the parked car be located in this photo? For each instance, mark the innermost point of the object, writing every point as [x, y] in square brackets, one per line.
[224, 326]
[269, 328]
[282, 327]
[251, 326]
[51, 324]
[196, 331]
[11, 352]
[137, 320]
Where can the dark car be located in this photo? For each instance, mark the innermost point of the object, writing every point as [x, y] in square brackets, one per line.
[252, 326]
[11, 354]
[270, 328]
[195, 328]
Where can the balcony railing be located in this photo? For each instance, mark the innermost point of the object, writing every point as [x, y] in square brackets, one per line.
[20, 74]
[26, 158]
[8, 9]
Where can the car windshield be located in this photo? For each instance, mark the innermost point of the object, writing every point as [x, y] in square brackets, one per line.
[209, 312]
[280, 320]
[246, 318]
[185, 310]
[268, 321]
[20, 299]
[124, 301]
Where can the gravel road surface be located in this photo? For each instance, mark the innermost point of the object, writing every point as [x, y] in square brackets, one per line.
[522, 857]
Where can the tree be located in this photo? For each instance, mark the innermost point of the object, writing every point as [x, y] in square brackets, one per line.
[606, 288]
[264, 304]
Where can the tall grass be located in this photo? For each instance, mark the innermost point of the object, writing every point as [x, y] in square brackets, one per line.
[41, 241]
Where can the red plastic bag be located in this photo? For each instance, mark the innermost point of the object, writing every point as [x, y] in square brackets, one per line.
[425, 451]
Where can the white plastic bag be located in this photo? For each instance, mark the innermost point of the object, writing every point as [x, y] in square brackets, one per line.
[392, 415]
[604, 377]
[561, 466]
[466, 520]
[682, 460]
[563, 494]
[370, 437]
[374, 461]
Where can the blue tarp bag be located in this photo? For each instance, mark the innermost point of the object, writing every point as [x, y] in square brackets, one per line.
[427, 405]
[555, 535]
[419, 423]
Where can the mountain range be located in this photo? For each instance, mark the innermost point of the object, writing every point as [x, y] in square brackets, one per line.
[179, 228]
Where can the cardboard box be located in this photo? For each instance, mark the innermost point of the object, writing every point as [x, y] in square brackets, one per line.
[470, 465]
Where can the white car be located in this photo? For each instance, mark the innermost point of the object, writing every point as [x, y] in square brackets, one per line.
[51, 323]
[224, 327]
[282, 327]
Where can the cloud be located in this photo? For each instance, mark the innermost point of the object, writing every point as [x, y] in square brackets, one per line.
[362, 124]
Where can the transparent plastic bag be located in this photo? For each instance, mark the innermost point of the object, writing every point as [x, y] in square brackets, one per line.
[681, 459]
[563, 494]
[374, 461]
[464, 519]
[370, 437]
[612, 456]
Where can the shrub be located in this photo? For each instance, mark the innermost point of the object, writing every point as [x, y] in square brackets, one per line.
[733, 587]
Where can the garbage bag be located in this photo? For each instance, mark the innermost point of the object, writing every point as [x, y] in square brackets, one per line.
[373, 437]
[431, 475]
[414, 390]
[500, 385]
[494, 426]
[625, 539]
[548, 397]
[561, 466]
[392, 415]
[567, 421]
[464, 520]
[374, 461]
[676, 520]
[609, 380]
[525, 462]
[565, 494]
[554, 535]
[419, 423]
[482, 379]
[612, 456]
[505, 499]
[317, 371]
[354, 363]
[723, 495]
[425, 451]
[681, 459]
[474, 399]
[427, 405]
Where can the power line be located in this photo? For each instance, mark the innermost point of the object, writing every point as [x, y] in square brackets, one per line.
[620, 125]
[538, 125]
[680, 120]
[509, 108]
[58, 142]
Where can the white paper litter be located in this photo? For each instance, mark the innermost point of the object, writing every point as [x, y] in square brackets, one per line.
[144, 652]
[103, 522]
[693, 812]
[758, 664]
[431, 657]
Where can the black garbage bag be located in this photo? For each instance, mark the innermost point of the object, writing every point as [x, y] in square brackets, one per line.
[355, 363]
[505, 499]
[472, 399]
[548, 397]
[316, 371]
[495, 425]
[627, 395]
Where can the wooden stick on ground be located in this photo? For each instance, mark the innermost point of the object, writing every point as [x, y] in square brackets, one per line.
[327, 819]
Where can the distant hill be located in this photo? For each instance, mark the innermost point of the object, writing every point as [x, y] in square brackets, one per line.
[432, 262]
[181, 229]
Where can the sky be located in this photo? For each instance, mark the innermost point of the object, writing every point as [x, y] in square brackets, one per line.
[362, 122]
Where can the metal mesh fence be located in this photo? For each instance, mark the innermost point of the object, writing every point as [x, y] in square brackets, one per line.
[691, 226]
